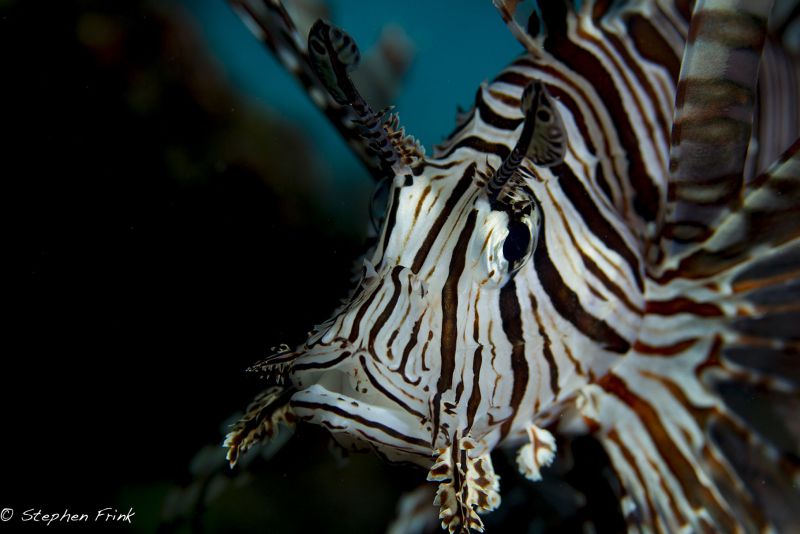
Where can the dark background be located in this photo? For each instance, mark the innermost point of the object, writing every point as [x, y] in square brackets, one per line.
[164, 234]
[168, 236]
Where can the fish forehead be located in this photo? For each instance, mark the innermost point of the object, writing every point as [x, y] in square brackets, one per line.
[424, 211]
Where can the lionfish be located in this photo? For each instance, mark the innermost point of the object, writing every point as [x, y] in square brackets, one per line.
[608, 243]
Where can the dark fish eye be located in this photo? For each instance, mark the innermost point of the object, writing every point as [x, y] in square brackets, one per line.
[517, 243]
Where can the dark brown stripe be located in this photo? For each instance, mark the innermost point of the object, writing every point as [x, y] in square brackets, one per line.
[664, 350]
[321, 365]
[391, 220]
[387, 310]
[481, 145]
[513, 78]
[373, 441]
[458, 191]
[475, 395]
[585, 206]
[489, 116]
[647, 198]
[447, 165]
[386, 393]
[566, 302]
[412, 342]
[420, 203]
[362, 310]
[477, 360]
[652, 46]
[548, 354]
[511, 318]
[683, 305]
[449, 332]
[389, 431]
[684, 469]
[592, 267]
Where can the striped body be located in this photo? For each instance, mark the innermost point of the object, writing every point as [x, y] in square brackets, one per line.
[641, 297]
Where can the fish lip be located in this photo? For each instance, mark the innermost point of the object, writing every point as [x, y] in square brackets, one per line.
[326, 377]
[326, 398]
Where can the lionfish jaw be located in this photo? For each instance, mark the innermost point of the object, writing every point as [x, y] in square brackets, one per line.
[269, 410]
[331, 391]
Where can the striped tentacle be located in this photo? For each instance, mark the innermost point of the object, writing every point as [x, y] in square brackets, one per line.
[272, 25]
[334, 54]
[269, 410]
[713, 115]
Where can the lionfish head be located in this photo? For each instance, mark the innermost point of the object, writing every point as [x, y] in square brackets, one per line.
[388, 370]
[379, 370]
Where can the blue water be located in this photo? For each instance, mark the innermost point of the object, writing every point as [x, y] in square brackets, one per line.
[459, 44]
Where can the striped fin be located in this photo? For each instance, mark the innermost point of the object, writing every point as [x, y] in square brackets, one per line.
[260, 421]
[714, 114]
[333, 55]
[543, 139]
[700, 421]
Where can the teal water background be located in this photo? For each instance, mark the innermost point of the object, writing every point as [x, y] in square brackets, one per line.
[459, 44]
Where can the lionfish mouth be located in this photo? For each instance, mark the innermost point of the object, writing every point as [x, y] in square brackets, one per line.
[334, 389]
[330, 386]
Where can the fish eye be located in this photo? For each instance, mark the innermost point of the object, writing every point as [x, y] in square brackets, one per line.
[520, 240]
[517, 245]
[505, 239]
[522, 229]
